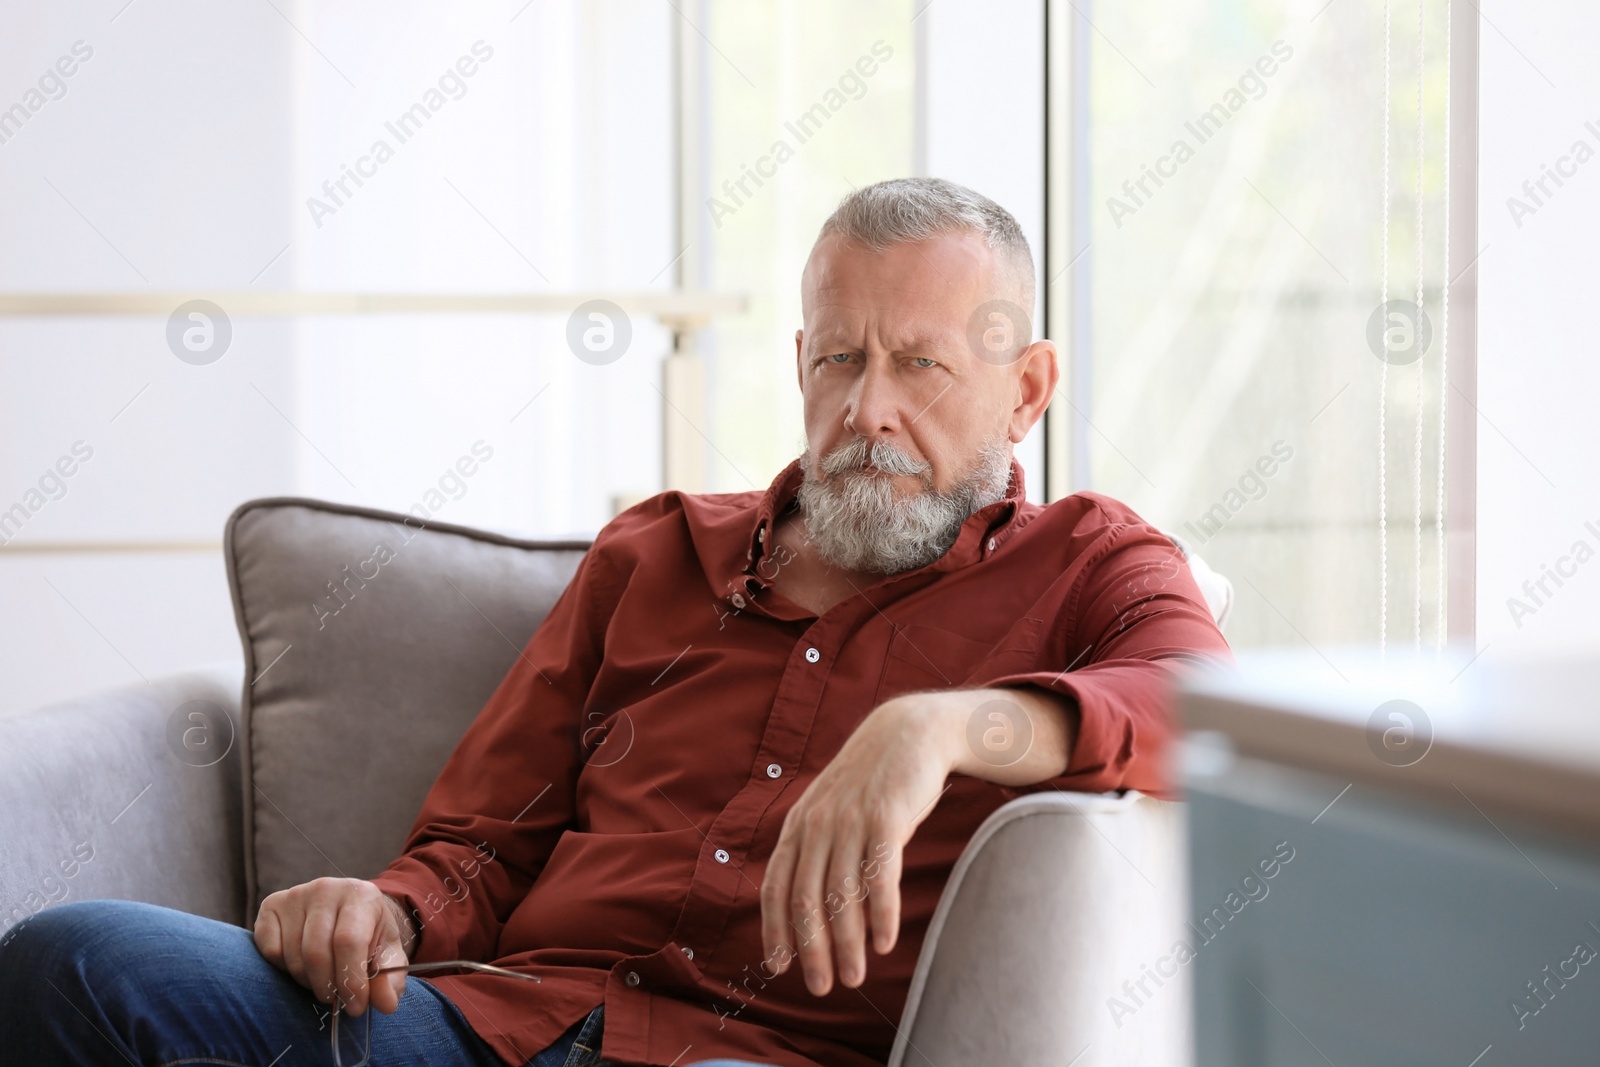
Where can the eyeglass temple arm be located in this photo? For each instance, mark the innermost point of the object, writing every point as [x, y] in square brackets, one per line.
[474, 965]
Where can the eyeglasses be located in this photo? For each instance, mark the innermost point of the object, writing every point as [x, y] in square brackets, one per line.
[411, 968]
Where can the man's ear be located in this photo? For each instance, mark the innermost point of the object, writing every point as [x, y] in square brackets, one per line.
[1037, 376]
[799, 370]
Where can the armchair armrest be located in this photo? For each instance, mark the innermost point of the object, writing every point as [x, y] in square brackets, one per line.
[116, 795]
[1058, 900]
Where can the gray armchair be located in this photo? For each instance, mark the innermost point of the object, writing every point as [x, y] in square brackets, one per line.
[371, 642]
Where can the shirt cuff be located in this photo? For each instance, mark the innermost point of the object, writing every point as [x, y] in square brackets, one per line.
[1122, 733]
[422, 893]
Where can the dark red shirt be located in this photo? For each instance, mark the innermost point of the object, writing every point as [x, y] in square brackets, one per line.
[606, 820]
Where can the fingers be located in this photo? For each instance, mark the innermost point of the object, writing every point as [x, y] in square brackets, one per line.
[269, 933]
[330, 934]
[355, 942]
[807, 918]
[291, 919]
[820, 890]
[775, 884]
[316, 942]
[882, 875]
[387, 989]
[847, 918]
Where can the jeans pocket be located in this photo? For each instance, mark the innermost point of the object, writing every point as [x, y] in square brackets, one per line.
[586, 1046]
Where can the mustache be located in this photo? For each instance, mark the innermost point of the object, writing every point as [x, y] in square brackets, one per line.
[888, 458]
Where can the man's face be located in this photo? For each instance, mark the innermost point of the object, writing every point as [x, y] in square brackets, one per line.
[885, 361]
[885, 353]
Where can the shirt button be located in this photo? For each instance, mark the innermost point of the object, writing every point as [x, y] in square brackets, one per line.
[812, 655]
[689, 952]
[991, 544]
[722, 855]
[738, 601]
[632, 978]
[773, 770]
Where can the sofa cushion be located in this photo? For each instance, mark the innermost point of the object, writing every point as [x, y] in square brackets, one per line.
[360, 624]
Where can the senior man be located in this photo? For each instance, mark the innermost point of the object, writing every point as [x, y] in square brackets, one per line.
[709, 812]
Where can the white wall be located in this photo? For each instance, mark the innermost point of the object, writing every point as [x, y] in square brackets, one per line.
[160, 168]
[180, 158]
[553, 171]
[1539, 378]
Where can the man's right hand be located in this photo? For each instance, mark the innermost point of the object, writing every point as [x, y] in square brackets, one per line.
[327, 932]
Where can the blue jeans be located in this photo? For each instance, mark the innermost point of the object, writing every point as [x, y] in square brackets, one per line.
[98, 982]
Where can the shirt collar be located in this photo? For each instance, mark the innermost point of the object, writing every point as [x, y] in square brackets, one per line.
[984, 531]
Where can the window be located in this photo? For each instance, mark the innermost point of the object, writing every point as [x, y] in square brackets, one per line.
[1231, 224]
[802, 103]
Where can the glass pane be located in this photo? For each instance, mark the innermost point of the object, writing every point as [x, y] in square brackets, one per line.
[804, 102]
[1236, 219]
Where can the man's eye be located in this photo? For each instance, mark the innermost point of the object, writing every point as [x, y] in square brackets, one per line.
[924, 361]
[839, 357]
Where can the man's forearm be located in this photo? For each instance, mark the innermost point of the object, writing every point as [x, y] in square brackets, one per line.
[1009, 735]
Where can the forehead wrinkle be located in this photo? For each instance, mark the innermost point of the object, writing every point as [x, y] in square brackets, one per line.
[819, 301]
[846, 305]
[820, 287]
[839, 296]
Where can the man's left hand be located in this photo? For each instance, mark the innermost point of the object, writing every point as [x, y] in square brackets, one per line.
[841, 843]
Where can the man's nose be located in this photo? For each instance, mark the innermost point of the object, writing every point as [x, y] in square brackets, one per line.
[874, 406]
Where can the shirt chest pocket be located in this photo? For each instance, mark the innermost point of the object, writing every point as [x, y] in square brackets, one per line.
[928, 658]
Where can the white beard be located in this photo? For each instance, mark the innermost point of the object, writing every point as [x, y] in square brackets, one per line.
[858, 521]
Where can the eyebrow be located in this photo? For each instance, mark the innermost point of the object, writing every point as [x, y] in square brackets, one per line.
[816, 344]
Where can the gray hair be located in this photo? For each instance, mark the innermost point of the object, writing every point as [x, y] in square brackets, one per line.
[916, 209]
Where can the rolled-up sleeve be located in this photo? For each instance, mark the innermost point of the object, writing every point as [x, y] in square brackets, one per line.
[1135, 619]
[506, 794]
